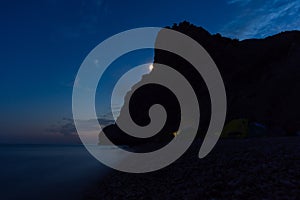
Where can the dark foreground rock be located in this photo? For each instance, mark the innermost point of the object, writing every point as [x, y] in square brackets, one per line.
[264, 168]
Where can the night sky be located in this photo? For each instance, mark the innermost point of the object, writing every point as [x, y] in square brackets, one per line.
[43, 44]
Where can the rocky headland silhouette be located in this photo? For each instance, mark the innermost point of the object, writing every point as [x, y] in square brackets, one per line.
[261, 77]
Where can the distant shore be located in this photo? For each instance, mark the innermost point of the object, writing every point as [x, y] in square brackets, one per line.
[256, 168]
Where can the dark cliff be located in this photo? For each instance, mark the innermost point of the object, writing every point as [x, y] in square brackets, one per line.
[261, 78]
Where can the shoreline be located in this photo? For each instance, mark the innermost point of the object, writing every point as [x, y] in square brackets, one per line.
[254, 168]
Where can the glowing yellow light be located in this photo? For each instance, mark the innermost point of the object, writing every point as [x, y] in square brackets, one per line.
[151, 67]
[175, 134]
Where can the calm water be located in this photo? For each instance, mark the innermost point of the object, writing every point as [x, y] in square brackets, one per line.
[47, 171]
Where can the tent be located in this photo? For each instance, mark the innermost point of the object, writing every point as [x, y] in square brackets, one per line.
[242, 128]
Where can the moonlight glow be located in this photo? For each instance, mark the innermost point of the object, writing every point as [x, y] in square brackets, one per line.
[151, 67]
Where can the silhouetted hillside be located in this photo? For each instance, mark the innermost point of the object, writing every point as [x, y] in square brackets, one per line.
[261, 77]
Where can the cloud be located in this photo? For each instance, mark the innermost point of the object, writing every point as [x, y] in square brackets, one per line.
[67, 127]
[240, 2]
[257, 20]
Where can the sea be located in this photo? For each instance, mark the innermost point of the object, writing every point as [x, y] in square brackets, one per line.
[47, 172]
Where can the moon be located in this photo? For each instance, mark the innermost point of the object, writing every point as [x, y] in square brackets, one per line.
[151, 67]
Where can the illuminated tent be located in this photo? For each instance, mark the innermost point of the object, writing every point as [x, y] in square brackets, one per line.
[242, 128]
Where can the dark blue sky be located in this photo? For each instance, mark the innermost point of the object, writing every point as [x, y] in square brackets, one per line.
[44, 42]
